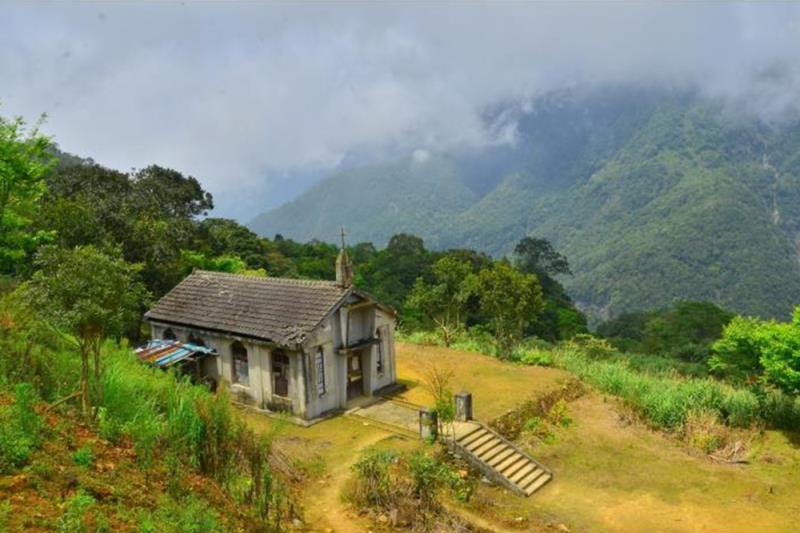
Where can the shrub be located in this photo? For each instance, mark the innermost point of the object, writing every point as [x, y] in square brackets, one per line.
[533, 357]
[73, 520]
[593, 347]
[20, 429]
[558, 414]
[478, 339]
[703, 430]
[428, 476]
[373, 482]
[32, 353]
[83, 456]
[5, 510]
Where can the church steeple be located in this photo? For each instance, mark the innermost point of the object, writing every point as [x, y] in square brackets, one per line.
[344, 270]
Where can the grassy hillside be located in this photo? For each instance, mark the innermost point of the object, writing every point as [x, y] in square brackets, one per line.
[654, 197]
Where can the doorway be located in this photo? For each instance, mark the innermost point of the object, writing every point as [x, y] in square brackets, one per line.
[280, 374]
[355, 376]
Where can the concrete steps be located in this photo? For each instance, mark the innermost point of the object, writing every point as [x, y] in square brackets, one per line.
[498, 458]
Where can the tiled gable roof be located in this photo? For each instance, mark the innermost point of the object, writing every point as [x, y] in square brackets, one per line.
[280, 310]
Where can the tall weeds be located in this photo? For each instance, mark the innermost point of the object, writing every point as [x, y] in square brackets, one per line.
[666, 401]
[20, 429]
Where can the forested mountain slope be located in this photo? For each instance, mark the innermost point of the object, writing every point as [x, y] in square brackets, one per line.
[653, 196]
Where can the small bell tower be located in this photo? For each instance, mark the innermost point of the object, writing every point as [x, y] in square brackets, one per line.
[344, 270]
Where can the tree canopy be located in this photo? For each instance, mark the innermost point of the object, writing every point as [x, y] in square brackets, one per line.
[87, 294]
[511, 300]
[25, 159]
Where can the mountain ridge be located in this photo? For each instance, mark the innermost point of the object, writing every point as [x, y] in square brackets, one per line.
[653, 196]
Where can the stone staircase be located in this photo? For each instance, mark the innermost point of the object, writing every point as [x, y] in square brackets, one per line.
[498, 458]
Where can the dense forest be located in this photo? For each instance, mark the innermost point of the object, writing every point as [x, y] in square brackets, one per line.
[655, 196]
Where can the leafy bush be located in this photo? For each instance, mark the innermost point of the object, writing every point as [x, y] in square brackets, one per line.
[83, 456]
[592, 347]
[75, 509]
[373, 483]
[533, 357]
[751, 347]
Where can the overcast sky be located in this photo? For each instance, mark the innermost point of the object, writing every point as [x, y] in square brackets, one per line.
[257, 99]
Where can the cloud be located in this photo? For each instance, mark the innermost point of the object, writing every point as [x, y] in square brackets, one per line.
[248, 96]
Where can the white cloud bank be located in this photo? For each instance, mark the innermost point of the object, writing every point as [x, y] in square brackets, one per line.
[243, 95]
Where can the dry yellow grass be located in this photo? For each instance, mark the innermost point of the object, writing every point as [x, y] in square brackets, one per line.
[496, 386]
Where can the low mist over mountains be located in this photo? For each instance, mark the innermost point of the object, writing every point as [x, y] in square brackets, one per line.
[654, 196]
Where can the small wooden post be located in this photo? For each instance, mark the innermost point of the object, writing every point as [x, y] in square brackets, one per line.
[463, 406]
[428, 424]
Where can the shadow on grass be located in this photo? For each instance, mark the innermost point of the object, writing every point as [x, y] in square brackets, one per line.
[793, 437]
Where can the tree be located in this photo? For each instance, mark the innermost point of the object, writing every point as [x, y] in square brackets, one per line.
[511, 300]
[751, 348]
[686, 331]
[88, 295]
[393, 271]
[444, 301]
[537, 256]
[170, 193]
[150, 215]
[24, 161]
[223, 263]
[560, 318]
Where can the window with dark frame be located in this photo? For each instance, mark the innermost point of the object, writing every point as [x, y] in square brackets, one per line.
[379, 364]
[241, 368]
[320, 365]
[169, 335]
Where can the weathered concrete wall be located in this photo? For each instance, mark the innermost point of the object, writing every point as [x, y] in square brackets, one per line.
[325, 337]
[384, 325]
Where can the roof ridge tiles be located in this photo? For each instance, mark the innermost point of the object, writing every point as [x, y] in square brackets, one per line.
[288, 281]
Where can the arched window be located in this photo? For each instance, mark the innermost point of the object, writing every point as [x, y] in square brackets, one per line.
[169, 335]
[319, 362]
[241, 369]
[197, 341]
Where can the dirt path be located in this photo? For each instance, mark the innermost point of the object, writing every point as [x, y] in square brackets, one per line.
[325, 508]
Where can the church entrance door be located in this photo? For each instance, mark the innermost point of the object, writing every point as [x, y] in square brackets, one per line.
[355, 376]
